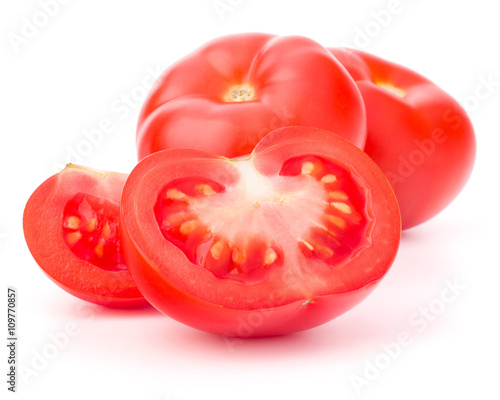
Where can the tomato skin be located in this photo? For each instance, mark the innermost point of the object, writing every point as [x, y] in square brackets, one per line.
[424, 142]
[42, 224]
[295, 81]
[164, 274]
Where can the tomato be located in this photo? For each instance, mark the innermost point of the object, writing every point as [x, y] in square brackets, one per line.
[279, 241]
[227, 95]
[71, 227]
[417, 133]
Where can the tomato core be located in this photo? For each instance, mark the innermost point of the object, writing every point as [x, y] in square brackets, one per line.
[90, 229]
[240, 93]
[242, 231]
[392, 89]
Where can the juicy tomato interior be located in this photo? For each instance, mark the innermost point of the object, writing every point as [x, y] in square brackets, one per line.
[90, 229]
[243, 231]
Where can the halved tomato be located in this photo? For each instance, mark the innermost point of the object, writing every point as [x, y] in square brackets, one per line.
[71, 227]
[284, 240]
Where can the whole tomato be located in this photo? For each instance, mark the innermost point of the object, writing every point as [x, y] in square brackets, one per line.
[226, 96]
[417, 133]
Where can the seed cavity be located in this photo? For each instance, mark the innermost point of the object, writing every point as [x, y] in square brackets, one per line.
[90, 229]
[236, 248]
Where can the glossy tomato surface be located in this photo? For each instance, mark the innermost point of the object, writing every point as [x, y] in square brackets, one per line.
[71, 227]
[227, 95]
[279, 241]
[418, 134]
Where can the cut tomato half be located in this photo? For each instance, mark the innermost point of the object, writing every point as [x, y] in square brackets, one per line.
[71, 228]
[284, 240]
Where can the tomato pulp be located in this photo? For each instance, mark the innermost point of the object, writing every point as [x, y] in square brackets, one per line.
[227, 95]
[283, 240]
[417, 133]
[71, 227]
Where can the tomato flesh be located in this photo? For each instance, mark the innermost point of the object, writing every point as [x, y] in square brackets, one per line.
[226, 230]
[90, 228]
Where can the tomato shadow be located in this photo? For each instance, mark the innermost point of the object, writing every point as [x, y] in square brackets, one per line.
[73, 308]
[346, 338]
[146, 310]
[427, 253]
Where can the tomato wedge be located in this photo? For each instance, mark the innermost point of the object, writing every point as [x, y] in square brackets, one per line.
[71, 227]
[279, 241]
[231, 92]
[417, 134]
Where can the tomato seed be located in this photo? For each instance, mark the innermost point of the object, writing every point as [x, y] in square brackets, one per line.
[342, 207]
[99, 249]
[270, 256]
[205, 189]
[188, 227]
[106, 231]
[237, 256]
[337, 221]
[72, 222]
[216, 249]
[307, 167]
[73, 237]
[91, 224]
[175, 194]
[338, 195]
[307, 244]
[329, 178]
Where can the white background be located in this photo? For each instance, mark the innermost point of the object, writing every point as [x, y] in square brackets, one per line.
[74, 72]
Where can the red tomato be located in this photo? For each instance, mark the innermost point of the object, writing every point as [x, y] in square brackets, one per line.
[284, 240]
[417, 133]
[71, 228]
[226, 96]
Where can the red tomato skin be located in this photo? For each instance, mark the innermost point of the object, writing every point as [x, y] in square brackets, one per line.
[42, 224]
[424, 142]
[296, 82]
[168, 297]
